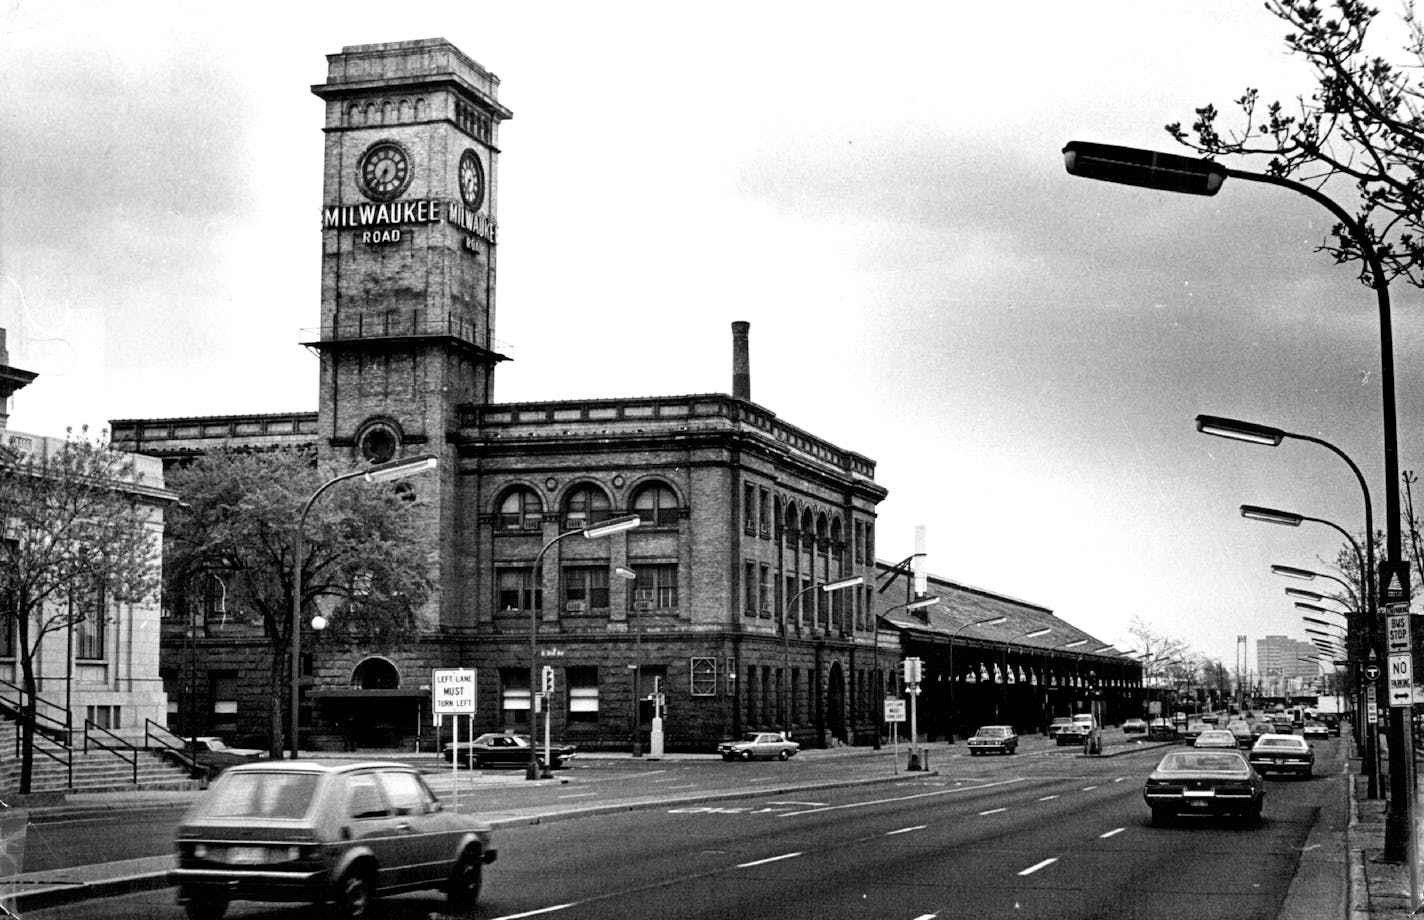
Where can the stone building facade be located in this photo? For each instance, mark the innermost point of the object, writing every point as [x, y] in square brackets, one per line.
[711, 607]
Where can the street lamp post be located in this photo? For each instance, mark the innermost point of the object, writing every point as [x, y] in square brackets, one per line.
[1031, 634]
[592, 532]
[987, 621]
[384, 472]
[1174, 173]
[921, 604]
[826, 588]
[1291, 519]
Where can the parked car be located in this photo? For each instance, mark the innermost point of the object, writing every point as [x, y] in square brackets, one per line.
[1161, 730]
[1000, 738]
[337, 836]
[504, 749]
[1315, 730]
[1242, 732]
[1057, 725]
[1204, 782]
[759, 744]
[1134, 727]
[211, 754]
[1216, 738]
[1277, 753]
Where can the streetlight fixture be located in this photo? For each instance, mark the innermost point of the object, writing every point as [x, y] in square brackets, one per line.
[827, 588]
[593, 531]
[987, 621]
[1031, 634]
[1174, 173]
[921, 604]
[385, 472]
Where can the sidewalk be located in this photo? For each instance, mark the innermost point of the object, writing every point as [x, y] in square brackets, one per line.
[821, 769]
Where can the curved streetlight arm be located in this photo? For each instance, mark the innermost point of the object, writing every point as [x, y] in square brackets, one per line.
[397, 469]
[1381, 287]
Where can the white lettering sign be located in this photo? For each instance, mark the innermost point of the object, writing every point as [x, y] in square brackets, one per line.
[1397, 632]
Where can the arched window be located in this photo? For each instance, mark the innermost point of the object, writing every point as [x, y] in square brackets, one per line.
[375, 674]
[521, 510]
[586, 505]
[656, 505]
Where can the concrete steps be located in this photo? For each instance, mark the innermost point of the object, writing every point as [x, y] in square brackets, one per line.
[94, 771]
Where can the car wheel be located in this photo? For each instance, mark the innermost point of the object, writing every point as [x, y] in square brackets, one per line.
[1161, 817]
[746, 755]
[352, 898]
[205, 908]
[463, 889]
[784, 755]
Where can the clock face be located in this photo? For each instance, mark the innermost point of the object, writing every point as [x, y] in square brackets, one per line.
[472, 179]
[385, 171]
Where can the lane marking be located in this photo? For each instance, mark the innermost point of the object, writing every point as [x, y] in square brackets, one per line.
[992, 811]
[906, 830]
[1120, 779]
[1089, 788]
[1036, 866]
[542, 910]
[1048, 798]
[1112, 833]
[769, 859]
[903, 798]
[794, 802]
[927, 917]
[577, 795]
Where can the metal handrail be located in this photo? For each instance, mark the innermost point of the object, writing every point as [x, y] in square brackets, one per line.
[177, 752]
[56, 734]
[123, 750]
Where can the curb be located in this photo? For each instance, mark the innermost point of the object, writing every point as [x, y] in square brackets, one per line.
[1357, 887]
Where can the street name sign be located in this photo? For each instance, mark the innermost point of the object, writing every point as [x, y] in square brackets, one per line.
[453, 691]
[1401, 680]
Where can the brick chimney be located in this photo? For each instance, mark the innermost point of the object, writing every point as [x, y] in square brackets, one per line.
[741, 362]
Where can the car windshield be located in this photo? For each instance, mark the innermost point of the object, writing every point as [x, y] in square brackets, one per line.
[260, 794]
[992, 731]
[751, 736]
[1192, 761]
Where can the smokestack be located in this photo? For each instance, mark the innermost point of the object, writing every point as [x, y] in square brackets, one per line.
[741, 362]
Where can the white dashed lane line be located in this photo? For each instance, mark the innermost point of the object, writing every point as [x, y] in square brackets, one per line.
[906, 830]
[992, 811]
[1048, 798]
[1039, 865]
[769, 859]
[1112, 833]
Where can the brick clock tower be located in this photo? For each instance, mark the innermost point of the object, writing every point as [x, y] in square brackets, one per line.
[409, 232]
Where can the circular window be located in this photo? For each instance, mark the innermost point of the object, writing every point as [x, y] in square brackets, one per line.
[379, 444]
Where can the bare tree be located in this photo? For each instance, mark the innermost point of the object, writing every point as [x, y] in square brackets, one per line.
[1362, 125]
[76, 540]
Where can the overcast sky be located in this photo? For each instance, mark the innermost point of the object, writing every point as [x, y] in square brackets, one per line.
[877, 189]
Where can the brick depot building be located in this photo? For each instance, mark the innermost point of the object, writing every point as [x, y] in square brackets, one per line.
[743, 515]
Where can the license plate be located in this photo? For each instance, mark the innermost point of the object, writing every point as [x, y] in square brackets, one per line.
[247, 856]
[1279, 760]
[1197, 803]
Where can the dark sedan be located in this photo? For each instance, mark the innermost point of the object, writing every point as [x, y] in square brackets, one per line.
[1000, 738]
[1208, 782]
[1283, 754]
[506, 750]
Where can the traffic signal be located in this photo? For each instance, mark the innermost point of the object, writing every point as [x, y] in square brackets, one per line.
[913, 669]
[548, 679]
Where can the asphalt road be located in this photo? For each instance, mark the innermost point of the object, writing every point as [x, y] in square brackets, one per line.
[1021, 837]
